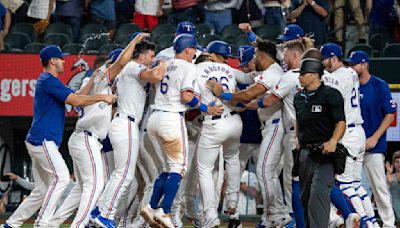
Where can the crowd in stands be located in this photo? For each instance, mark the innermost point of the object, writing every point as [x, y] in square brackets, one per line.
[327, 20]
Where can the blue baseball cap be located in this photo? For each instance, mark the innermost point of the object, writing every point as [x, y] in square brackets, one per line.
[51, 51]
[114, 54]
[330, 49]
[291, 32]
[245, 54]
[186, 27]
[357, 57]
[137, 33]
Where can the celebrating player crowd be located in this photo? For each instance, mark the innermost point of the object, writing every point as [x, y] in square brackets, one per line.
[154, 132]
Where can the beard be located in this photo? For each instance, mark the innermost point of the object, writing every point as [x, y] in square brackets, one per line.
[259, 66]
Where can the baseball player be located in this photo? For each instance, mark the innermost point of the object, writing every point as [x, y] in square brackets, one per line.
[270, 150]
[51, 174]
[124, 131]
[346, 81]
[219, 131]
[167, 130]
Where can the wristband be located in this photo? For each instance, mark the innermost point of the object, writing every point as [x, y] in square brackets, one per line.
[260, 102]
[193, 102]
[240, 105]
[227, 96]
[203, 107]
[251, 36]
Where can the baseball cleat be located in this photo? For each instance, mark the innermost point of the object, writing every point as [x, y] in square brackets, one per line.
[148, 214]
[234, 223]
[230, 211]
[94, 214]
[353, 221]
[212, 223]
[177, 221]
[104, 222]
[164, 220]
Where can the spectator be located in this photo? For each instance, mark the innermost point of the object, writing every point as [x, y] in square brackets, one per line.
[147, 12]
[393, 180]
[249, 194]
[18, 8]
[249, 11]
[70, 12]
[274, 13]
[183, 10]
[5, 21]
[124, 10]
[310, 15]
[103, 12]
[358, 17]
[218, 14]
[39, 12]
[381, 15]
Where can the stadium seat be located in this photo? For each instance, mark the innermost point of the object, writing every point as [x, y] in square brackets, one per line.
[17, 40]
[391, 50]
[106, 48]
[241, 40]
[24, 27]
[207, 38]
[125, 30]
[59, 27]
[379, 41]
[165, 42]
[202, 29]
[269, 32]
[91, 29]
[34, 47]
[360, 47]
[231, 32]
[73, 48]
[160, 30]
[59, 39]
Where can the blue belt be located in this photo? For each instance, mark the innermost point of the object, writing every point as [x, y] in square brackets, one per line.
[159, 110]
[219, 117]
[351, 125]
[90, 134]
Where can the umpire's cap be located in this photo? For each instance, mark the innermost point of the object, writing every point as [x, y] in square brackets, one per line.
[219, 47]
[310, 65]
[51, 51]
[185, 41]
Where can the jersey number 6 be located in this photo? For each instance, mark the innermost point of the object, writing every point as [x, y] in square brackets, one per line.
[164, 85]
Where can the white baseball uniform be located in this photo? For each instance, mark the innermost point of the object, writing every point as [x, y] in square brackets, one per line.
[268, 165]
[169, 53]
[286, 89]
[124, 135]
[85, 149]
[346, 81]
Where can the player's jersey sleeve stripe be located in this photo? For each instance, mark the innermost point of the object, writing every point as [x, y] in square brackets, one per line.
[263, 84]
[140, 73]
[277, 95]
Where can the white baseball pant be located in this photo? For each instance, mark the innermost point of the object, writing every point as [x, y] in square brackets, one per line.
[51, 178]
[375, 171]
[288, 162]
[84, 149]
[247, 151]
[127, 208]
[124, 137]
[268, 169]
[223, 132]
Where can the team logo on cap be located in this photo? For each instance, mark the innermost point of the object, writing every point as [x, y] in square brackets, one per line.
[241, 50]
[286, 30]
[188, 27]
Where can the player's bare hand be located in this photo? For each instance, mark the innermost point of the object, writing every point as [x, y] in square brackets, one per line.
[140, 37]
[159, 12]
[389, 167]
[329, 147]
[245, 27]
[12, 176]
[215, 110]
[215, 87]
[371, 143]
[296, 143]
[110, 98]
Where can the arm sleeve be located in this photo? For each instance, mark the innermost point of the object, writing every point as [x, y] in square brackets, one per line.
[134, 70]
[336, 105]
[56, 89]
[187, 78]
[25, 184]
[387, 104]
[282, 89]
[267, 79]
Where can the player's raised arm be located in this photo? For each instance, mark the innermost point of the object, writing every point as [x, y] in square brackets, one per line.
[155, 74]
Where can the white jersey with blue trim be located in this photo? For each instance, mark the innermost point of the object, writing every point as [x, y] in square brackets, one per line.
[131, 90]
[269, 78]
[96, 118]
[169, 53]
[346, 81]
[225, 75]
[180, 76]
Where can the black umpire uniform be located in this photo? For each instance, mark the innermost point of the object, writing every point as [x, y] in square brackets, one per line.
[320, 125]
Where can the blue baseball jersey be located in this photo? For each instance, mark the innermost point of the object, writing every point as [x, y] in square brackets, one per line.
[48, 110]
[251, 132]
[376, 102]
[3, 12]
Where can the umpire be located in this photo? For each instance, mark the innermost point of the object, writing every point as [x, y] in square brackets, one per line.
[320, 125]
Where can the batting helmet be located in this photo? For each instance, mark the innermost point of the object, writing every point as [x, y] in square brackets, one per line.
[184, 41]
[219, 47]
